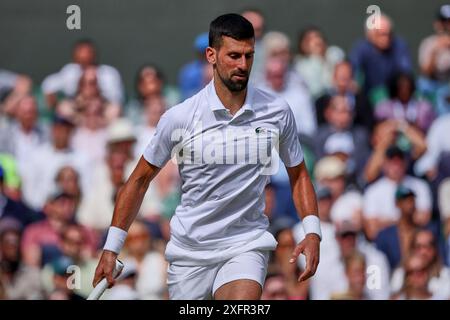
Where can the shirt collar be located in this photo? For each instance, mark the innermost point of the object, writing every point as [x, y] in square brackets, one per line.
[215, 103]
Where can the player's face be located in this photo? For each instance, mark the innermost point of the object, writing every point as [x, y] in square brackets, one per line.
[232, 62]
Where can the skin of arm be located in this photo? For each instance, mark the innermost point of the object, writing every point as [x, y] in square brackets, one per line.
[128, 202]
[305, 201]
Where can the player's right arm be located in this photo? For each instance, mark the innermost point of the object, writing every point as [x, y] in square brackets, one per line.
[129, 200]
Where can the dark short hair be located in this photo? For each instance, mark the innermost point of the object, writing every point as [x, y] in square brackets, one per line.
[229, 25]
[393, 82]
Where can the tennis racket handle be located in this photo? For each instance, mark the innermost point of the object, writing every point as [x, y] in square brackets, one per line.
[103, 284]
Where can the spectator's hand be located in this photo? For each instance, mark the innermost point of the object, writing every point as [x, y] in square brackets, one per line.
[105, 268]
[310, 247]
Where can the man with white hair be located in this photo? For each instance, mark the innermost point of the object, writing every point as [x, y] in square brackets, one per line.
[379, 56]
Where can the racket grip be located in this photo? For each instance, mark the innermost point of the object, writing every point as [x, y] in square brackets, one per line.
[103, 284]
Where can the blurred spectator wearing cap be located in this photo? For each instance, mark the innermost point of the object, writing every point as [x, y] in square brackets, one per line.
[274, 288]
[416, 281]
[434, 58]
[386, 134]
[281, 228]
[351, 241]
[425, 246]
[13, 87]
[258, 22]
[403, 106]
[150, 264]
[60, 277]
[343, 84]
[316, 60]
[376, 58]
[330, 172]
[39, 174]
[326, 280]
[91, 134]
[395, 240]
[18, 280]
[444, 210]
[150, 86]
[23, 134]
[125, 287]
[73, 240]
[66, 81]
[341, 137]
[17, 210]
[42, 240]
[190, 77]
[380, 209]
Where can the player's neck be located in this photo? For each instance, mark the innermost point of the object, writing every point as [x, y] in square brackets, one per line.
[233, 101]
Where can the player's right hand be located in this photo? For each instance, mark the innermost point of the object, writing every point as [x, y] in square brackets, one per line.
[105, 268]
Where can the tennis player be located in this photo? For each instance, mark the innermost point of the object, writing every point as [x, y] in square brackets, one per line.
[221, 138]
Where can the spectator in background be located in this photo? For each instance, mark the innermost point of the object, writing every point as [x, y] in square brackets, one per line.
[68, 180]
[73, 239]
[434, 58]
[425, 245]
[380, 209]
[316, 60]
[351, 241]
[355, 271]
[403, 106]
[39, 174]
[60, 279]
[274, 288]
[42, 240]
[416, 281]
[395, 240]
[150, 264]
[90, 136]
[153, 110]
[386, 134]
[13, 87]
[67, 80]
[190, 77]
[343, 84]
[17, 210]
[279, 81]
[444, 210]
[257, 20]
[18, 280]
[339, 135]
[376, 58]
[150, 86]
[23, 134]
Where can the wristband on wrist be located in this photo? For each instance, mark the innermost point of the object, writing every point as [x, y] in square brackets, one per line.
[311, 224]
[115, 239]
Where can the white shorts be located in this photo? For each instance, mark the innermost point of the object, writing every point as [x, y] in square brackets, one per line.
[201, 282]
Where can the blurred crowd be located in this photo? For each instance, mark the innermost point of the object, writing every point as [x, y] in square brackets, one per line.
[373, 134]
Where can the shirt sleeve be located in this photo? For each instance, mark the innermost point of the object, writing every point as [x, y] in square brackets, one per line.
[159, 149]
[290, 150]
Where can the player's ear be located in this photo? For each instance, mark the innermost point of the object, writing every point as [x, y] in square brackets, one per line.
[211, 55]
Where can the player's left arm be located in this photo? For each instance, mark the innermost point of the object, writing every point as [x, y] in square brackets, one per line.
[305, 202]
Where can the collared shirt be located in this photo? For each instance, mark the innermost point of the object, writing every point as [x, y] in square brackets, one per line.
[223, 170]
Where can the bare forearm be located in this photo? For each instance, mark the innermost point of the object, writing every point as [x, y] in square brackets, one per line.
[304, 195]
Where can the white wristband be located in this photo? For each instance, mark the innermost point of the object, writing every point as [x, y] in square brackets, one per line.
[311, 224]
[115, 240]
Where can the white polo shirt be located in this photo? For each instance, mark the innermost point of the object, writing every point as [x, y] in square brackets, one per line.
[221, 159]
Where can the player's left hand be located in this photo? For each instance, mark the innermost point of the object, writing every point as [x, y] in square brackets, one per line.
[310, 248]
